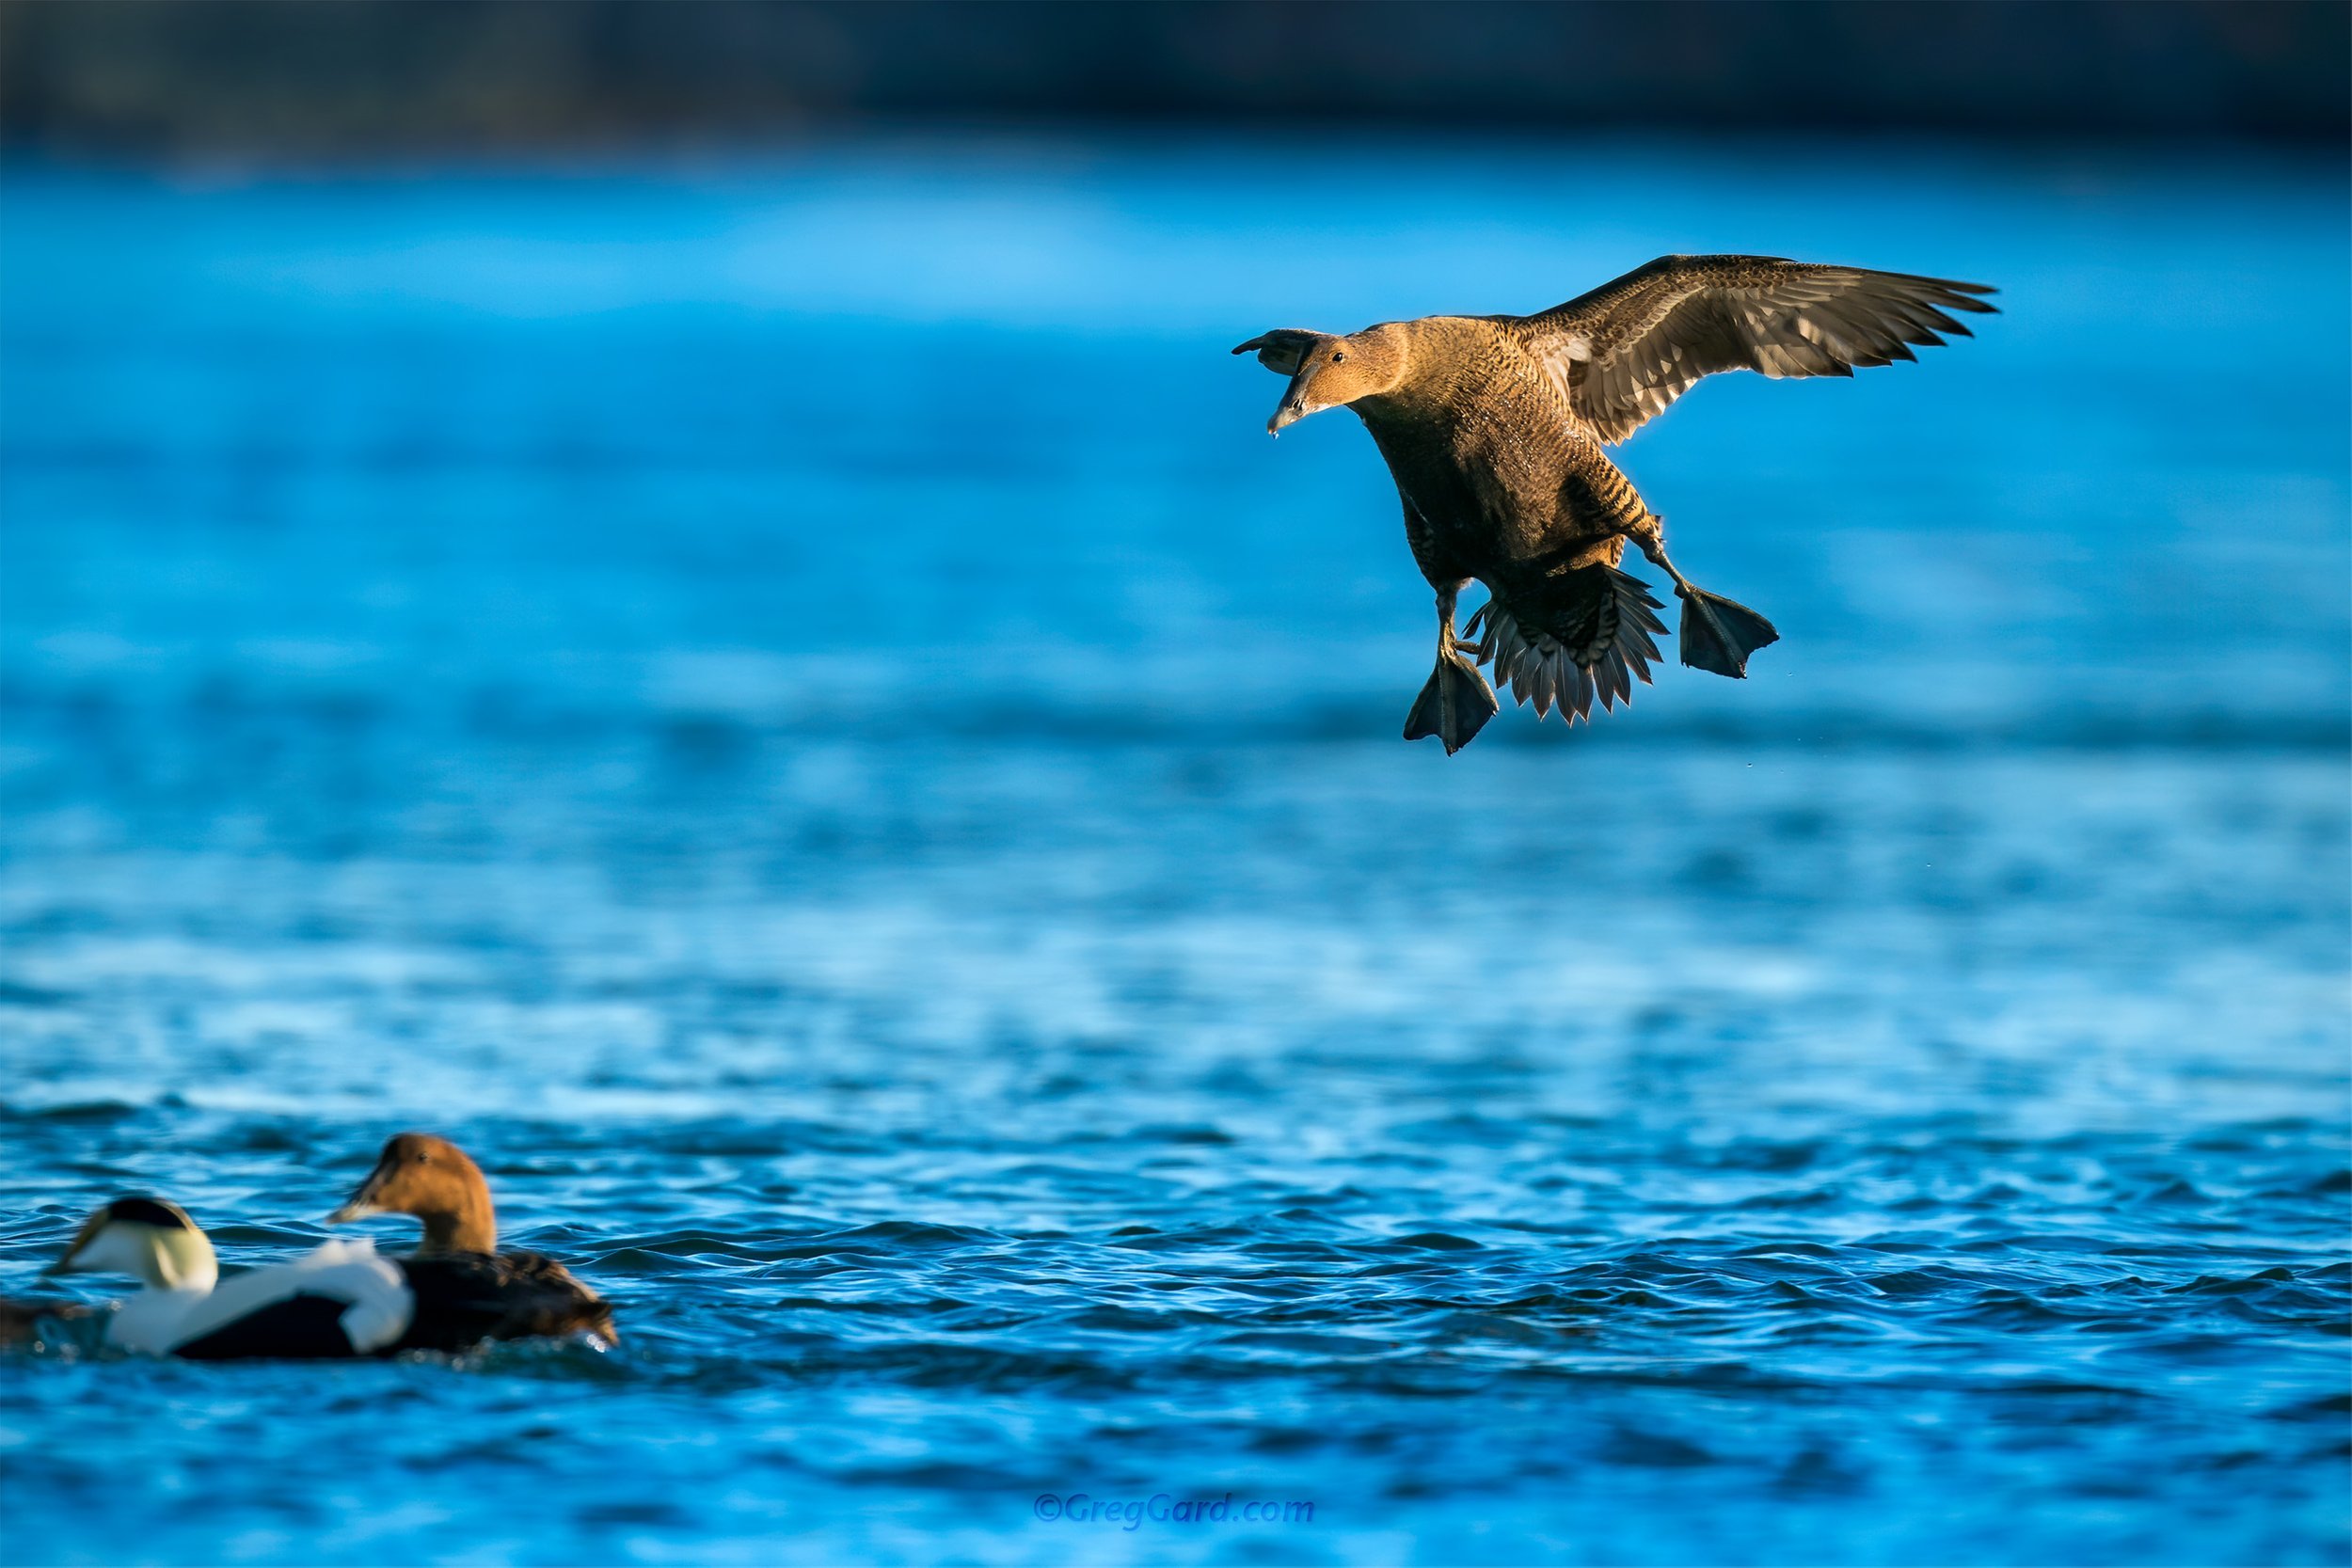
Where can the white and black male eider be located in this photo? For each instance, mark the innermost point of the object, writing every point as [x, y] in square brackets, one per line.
[340, 1301]
[433, 1180]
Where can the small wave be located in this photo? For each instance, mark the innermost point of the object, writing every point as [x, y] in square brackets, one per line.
[1431, 1241]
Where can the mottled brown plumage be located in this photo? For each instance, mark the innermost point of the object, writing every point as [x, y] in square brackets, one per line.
[1493, 426]
[467, 1289]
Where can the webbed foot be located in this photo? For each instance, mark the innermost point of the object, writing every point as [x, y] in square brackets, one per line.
[1454, 706]
[1718, 634]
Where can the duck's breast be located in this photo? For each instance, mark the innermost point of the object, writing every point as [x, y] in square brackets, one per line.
[150, 1322]
[1482, 441]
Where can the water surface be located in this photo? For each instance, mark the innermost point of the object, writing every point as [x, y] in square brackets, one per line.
[789, 707]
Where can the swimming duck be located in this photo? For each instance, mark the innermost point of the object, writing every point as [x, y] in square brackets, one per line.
[1492, 427]
[341, 1300]
[433, 1180]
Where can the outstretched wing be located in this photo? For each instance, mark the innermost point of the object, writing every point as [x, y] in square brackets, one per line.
[1630, 348]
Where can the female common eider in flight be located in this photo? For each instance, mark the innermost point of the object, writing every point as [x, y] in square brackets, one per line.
[1492, 427]
[433, 1180]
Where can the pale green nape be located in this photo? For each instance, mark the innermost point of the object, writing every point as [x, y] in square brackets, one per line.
[182, 1261]
[164, 1260]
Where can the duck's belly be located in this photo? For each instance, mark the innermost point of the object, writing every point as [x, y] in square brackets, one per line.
[1498, 507]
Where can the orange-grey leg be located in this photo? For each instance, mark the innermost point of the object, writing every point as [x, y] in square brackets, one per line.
[1457, 702]
[1718, 634]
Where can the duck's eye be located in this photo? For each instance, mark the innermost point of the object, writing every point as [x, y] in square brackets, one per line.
[1337, 358]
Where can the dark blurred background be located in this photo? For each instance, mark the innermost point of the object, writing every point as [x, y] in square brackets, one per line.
[286, 76]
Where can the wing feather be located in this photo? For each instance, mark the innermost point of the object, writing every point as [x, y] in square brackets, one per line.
[1625, 351]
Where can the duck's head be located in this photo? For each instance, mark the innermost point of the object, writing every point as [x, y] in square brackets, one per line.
[432, 1179]
[1327, 372]
[147, 1237]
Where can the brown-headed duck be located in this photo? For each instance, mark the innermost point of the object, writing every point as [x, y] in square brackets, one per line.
[525, 1294]
[1492, 427]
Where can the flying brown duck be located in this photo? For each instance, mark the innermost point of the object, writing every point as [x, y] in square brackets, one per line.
[1492, 427]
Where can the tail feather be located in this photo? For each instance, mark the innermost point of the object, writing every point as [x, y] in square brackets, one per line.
[1595, 645]
[1612, 668]
[1584, 694]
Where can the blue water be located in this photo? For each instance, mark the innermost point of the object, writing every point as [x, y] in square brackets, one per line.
[789, 706]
